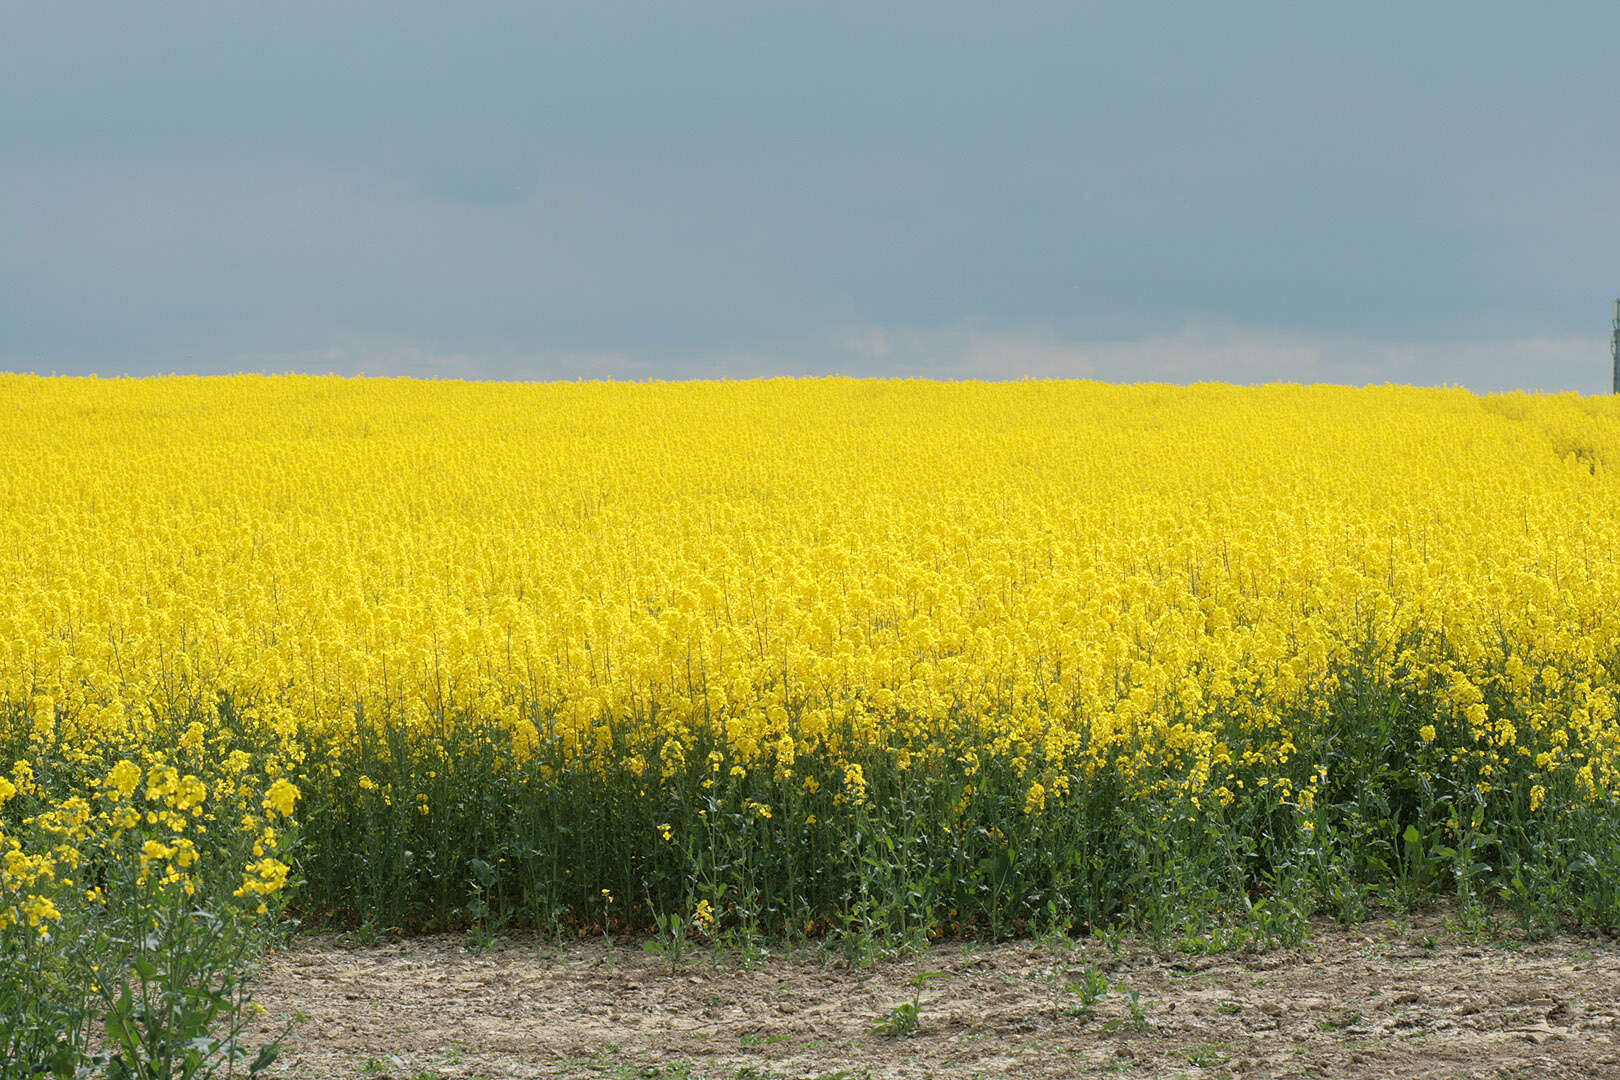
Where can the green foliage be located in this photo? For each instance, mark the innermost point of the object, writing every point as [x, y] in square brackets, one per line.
[1092, 988]
[163, 978]
[902, 1020]
[470, 829]
[144, 972]
[1135, 1018]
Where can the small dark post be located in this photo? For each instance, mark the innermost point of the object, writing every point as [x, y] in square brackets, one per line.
[1614, 346]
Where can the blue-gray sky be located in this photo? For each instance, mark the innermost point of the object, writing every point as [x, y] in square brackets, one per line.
[1350, 193]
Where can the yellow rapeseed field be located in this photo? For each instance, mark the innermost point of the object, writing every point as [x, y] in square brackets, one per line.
[927, 654]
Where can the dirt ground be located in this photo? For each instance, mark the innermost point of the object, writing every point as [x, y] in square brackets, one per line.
[1394, 998]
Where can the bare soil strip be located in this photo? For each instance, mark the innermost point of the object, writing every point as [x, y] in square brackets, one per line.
[1398, 998]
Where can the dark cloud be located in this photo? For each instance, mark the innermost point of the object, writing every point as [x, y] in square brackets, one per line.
[727, 179]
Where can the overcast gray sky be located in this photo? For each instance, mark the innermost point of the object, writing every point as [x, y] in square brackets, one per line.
[1348, 193]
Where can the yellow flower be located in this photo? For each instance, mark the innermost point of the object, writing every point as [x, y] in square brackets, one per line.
[855, 783]
[156, 849]
[161, 783]
[190, 793]
[1035, 799]
[124, 778]
[1152, 589]
[262, 878]
[39, 910]
[184, 853]
[281, 797]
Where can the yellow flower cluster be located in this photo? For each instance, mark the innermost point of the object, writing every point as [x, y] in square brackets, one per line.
[1085, 577]
[154, 831]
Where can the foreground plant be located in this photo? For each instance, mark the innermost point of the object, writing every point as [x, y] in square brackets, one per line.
[881, 660]
[902, 1021]
[131, 920]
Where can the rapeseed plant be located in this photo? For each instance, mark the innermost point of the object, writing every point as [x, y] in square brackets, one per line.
[919, 657]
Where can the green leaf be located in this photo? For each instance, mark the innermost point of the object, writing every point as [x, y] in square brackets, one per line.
[64, 1063]
[121, 1029]
[1411, 835]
